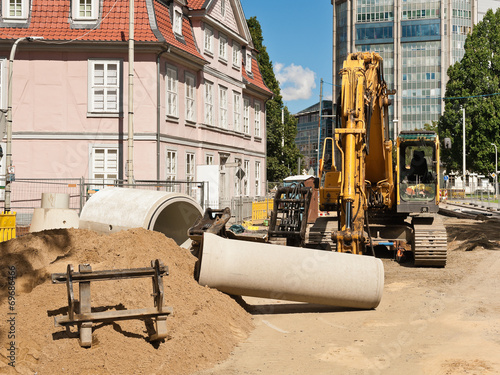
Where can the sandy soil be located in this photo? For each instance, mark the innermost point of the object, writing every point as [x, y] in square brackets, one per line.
[430, 321]
[204, 328]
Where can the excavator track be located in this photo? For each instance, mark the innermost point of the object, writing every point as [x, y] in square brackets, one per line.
[430, 247]
[319, 235]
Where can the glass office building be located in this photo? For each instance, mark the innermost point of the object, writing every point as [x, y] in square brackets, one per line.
[307, 132]
[418, 40]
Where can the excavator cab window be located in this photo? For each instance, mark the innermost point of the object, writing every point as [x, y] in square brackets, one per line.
[417, 172]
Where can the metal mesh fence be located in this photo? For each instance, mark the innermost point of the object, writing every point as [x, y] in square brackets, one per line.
[26, 195]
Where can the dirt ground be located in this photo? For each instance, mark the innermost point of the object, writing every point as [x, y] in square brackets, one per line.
[430, 321]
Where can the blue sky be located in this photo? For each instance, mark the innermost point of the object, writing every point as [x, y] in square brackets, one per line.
[298, 38]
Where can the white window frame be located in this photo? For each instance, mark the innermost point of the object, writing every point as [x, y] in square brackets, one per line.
[190, 83]
[209, 159]
[237, 181]
[222, 47]
[246, 115]
[246, 185]
[208, 40]
[257, 119]
[257, 178]
[76, 11]
[177, 26]
[248, 65]
[172, 91]
[223, 8]
[190, 171]
[223, 107]
[23, 11]
[110, 168]
[107, 87]
[236, 55]
[171, 168]
[237, 111]
[209, 103]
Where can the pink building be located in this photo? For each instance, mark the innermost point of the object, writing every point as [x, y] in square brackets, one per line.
[199, 97]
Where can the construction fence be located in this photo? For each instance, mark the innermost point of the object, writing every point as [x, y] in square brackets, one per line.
[26, 195]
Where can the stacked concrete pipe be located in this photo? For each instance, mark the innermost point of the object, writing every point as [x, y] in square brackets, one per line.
[114, 209]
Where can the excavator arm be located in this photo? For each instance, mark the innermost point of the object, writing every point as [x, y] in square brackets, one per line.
[364, 177]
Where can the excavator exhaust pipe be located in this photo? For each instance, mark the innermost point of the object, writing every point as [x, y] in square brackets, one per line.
[290, 273]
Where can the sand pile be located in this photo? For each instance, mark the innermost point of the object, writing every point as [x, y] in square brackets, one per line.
[205, 326]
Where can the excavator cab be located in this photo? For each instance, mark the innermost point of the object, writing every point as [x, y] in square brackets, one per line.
[417, 172]
[330, 178]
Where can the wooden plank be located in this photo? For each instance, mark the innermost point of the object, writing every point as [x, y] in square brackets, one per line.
[105, 316]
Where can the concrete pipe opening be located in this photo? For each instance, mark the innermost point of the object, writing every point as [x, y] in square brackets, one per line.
[114, 209]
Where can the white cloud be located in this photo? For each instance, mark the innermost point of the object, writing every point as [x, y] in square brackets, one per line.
[296, 82]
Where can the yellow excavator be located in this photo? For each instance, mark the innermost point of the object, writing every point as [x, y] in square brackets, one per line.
[380, 198]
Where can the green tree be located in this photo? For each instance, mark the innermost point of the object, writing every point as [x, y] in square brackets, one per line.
[282, 152]
[474, 83]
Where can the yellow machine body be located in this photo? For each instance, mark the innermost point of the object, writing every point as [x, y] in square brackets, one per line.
[361, 180]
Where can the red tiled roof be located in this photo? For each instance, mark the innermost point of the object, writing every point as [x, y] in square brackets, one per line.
[49, 19]
[256, 77]
[197, 4]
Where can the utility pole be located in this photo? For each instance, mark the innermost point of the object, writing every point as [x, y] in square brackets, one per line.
[496, 170]
[463, 147]
[130, 137]
[9, 170]
[319, 124]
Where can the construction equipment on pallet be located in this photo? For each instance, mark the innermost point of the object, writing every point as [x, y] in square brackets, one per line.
[289, 215]
[80, 312]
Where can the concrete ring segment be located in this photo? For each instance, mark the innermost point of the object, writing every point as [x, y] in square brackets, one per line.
[114, 209]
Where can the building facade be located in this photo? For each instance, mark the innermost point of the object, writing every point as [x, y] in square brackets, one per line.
[418, 41]
[484, 5]
[198, 95]
[308, 123]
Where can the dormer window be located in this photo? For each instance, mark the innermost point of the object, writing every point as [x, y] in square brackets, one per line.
[85, 10]
[177, 22]
[223, 8]
[13, 10]
[249, 62]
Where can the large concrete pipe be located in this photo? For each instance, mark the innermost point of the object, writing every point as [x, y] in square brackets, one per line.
[113, 209]
[291, 273]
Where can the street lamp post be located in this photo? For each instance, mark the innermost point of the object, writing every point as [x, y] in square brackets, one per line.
[463, 147]
[9, 175]
[496, 170]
